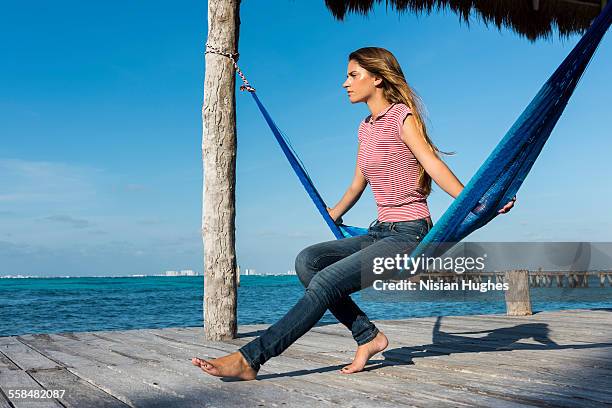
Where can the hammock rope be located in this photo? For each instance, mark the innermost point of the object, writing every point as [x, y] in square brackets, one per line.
[233, 56]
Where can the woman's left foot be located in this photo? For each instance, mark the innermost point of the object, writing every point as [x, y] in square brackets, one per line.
[233, 366]
[365, 352]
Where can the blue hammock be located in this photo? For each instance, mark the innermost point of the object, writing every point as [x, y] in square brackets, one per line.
[501, 175]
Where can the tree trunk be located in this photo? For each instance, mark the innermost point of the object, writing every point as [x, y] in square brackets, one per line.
[219, 166]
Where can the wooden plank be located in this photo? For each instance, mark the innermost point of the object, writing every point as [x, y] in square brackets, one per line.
[462, 329]
[326, 390]
[585, 325]
[605, 320]
[495, 340]
[19, 380]
[196, 388]
[349, 346]
[78, 392]
[162, 374]
[6, 363]
[312, 346]
[602, 311]
[575, 316]
[483, 360]
[483, 364]
[23, 356]
[4, 402]
[130, 390]
[517, 370]
[586, 353]
[524, 392]
[561, 320]
[142, 381]
[98, 373]
[342, 358]
[553, 330]
[274, 371]
[373, 383]
[514, 371]
[75, 351]
[509, 389]
[152, 367]
[420, 336]
[402, 394]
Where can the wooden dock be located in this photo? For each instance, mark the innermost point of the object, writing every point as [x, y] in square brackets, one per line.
[549, 359]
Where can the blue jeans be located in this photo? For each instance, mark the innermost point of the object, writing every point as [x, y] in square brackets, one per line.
[331, 271]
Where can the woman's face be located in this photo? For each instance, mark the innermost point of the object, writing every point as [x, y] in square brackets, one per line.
[360, 84]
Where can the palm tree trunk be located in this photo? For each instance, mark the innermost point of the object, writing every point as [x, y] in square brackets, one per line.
[219, 166]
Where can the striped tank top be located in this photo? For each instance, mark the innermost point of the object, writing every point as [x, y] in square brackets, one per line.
[390, 167]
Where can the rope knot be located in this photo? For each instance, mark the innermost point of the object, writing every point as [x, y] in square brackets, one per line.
[233, 56]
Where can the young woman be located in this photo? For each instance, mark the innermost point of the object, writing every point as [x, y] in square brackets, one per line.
[399, 161]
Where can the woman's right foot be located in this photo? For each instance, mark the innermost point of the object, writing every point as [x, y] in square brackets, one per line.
[232, 366]
[365, 352]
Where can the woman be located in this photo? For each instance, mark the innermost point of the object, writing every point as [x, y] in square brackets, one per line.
[398, 160]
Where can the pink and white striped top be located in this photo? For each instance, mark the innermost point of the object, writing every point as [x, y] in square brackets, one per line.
[390, 167]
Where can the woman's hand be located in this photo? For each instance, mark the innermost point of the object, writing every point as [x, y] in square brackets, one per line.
[508, 206]
[333, 216]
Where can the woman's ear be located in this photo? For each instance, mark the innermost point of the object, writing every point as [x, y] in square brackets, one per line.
[378, 81]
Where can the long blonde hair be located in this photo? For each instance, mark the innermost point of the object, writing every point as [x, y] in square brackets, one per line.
[383, 64]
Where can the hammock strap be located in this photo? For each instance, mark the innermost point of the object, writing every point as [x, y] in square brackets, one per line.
[340, 231]
[233, 56]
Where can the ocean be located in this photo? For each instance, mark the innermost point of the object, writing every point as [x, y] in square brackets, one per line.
[53, 305]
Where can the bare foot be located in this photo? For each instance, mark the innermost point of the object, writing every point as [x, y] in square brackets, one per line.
[233, 365]
[365, 352]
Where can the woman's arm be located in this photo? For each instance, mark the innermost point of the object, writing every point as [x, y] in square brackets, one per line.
[433, 165]
[350, 197]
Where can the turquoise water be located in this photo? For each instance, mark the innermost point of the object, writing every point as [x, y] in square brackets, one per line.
[36, 305]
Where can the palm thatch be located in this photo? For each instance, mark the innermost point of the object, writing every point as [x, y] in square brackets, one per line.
[530, 18]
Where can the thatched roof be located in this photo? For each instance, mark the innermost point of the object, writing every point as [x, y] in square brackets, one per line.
[530, 18]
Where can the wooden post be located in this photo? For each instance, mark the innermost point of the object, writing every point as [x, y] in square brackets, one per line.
[518, 301]
[219, 165]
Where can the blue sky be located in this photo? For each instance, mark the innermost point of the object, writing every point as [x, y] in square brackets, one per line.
[100, 127]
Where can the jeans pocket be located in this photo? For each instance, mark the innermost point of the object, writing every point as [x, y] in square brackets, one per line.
[414, 228]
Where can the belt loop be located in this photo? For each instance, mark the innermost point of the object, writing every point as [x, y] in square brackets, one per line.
[392, 226]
